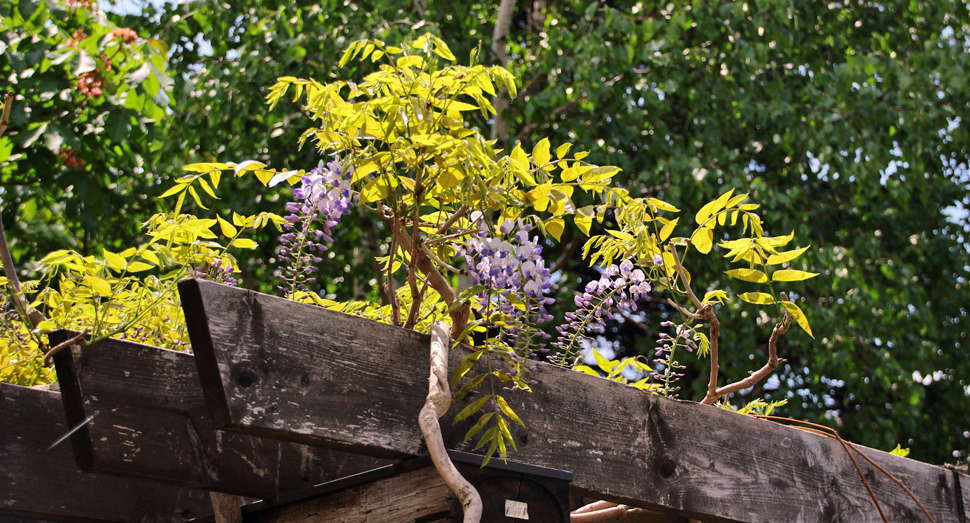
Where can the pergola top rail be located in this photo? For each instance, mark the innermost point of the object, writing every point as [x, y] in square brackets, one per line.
[282, 369]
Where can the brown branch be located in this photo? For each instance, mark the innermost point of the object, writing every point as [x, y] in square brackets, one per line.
[707, 313]
[385, 214]
[32, 315]
[499, 38]
[436, 405]
[49, 357]
[416, 296]
[683, 276]
[452, 219]
[5, 119]
[459, 314]
[832, 433]
[566, 255]
[763, 372]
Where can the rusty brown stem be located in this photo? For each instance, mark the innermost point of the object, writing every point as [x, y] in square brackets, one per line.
[452, 219]
[459, 314]
[773, 362]
[416, 296]
[683, 277]
[385, 214]
[5, 119]
[49, 357]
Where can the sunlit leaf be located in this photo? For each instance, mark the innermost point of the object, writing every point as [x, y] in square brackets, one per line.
[799, 316]
[757, 298]
[792, 275]
[751, 275]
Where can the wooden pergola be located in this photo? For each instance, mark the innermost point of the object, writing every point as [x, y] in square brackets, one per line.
[311, 416]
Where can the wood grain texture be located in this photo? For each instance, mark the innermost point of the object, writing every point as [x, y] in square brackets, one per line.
[37, 483]
[307, 374]
[151, 422]
[417, 495]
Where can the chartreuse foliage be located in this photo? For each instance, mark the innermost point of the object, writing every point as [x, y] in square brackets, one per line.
[130, 294]
[421, 167]
[453, 204]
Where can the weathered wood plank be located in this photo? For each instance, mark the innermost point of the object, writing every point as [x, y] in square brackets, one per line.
[150, 421]
[278, 368]
[417, 495]
[44, 484]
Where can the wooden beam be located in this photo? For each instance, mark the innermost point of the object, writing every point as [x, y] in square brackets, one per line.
[416, 495]
[277, 368]
[148, 420]
[42, 483]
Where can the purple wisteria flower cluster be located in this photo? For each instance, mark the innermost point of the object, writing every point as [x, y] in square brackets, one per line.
[617, 290]
[668, 369]
[324, 196]
[513, 278]
[218, 272]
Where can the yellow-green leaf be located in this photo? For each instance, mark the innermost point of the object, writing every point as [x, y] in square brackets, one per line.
[782, 257]
[574, 172]
[603, 363]
[668, 229]
[478, 426]
[748, 275]
[899, 451]
[540, 154]
[508, 411]
[703, 240]
[204, 167]
[115, 261]
[174, 190]
[792, 275]
[473, 408]
[245, 243]
[799, 316]
[139, 266]
[562, 150]
[101, 287]
[662, 205]
[757, 298]
[584, 220]
[227, 229]
[555, 227]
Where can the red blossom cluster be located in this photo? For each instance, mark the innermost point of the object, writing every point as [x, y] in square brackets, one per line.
[106, 61]
[70, 159]
[79, 3]
[89, 84]
[126, 35]
[76, 37]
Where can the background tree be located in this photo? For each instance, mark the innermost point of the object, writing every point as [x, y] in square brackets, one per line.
[77, 161]
[842, 119]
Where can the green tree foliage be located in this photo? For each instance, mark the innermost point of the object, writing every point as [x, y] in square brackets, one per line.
[842, 119]
[76, 163]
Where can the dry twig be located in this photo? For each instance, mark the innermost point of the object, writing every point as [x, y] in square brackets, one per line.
[846, 445]
[439, 399]
[49, 357]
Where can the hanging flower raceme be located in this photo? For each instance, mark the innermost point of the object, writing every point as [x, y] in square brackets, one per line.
[324, 196]
[617, 290]
[512, 277]
[220, 271]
